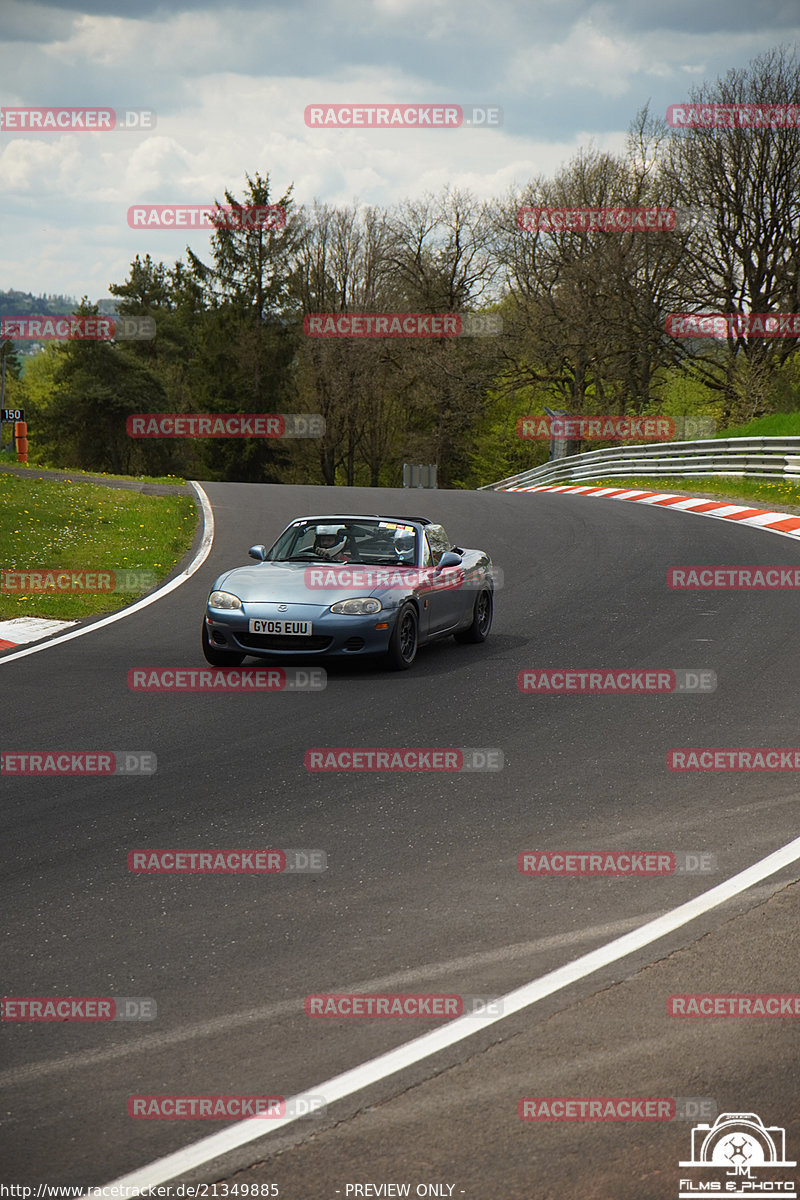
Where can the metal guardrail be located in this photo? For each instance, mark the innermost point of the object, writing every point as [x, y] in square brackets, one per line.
[751, 457]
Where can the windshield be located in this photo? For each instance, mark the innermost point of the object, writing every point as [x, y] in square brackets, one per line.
[332, 539]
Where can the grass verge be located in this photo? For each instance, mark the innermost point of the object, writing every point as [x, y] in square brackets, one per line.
[9, 462]
[72, 525]
[775, 425]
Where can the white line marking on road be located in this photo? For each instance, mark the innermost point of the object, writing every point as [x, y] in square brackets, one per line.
[377, 1069]
[412, 979]
[203, 552]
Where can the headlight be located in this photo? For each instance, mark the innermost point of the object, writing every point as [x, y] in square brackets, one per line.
[224, 600]
[363, 606]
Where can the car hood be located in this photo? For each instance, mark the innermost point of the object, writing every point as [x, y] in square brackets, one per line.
[294, 583]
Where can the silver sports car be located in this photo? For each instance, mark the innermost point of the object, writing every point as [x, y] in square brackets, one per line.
[350, 586]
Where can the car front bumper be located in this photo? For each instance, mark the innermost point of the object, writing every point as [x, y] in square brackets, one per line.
[332, 634]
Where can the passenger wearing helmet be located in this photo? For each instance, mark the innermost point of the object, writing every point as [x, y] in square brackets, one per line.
[404, 546]
[330, 541]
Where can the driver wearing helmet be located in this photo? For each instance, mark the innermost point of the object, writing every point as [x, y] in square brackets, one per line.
[330, 541]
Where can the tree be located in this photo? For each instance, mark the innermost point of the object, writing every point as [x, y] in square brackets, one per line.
[95, 387]
[747, 181]
[341, 266]
[440, 261]
[586, 318]
[248, 341]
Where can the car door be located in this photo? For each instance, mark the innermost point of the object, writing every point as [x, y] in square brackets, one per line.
[444, 594]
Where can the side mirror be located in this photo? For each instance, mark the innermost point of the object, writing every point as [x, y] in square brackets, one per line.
[258, 552]
[449, 559]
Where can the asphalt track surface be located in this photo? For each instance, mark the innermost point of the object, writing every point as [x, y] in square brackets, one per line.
[422, 892]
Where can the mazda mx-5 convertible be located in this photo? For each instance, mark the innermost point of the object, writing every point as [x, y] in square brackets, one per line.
[350, 586]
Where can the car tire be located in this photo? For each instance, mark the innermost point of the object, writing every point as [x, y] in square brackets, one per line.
[404, 642]
[482, 615]
[220, 658]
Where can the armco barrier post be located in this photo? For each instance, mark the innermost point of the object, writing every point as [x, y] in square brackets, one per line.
[558, 446]
[21, 437]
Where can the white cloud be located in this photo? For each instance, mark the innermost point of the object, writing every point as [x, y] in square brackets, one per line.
[230, 86]
[101, 41]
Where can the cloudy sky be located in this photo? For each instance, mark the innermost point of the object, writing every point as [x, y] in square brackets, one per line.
[229, 85]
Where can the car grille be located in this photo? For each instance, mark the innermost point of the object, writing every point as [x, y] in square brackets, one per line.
[280, 641]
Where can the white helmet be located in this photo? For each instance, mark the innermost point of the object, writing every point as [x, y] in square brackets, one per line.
[404, 541]
[330, 533]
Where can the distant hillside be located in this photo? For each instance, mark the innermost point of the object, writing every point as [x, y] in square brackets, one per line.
[24, 304]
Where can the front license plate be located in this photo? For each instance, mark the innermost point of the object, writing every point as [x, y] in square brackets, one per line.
[295, 628]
